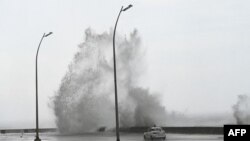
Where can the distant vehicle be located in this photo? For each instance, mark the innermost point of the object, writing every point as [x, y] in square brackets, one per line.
[154, 133]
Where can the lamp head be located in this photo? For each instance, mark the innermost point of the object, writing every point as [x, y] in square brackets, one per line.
[46, 35]
[129, 6]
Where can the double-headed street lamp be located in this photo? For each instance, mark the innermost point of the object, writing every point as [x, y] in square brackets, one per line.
[37, 127]
[116, 99]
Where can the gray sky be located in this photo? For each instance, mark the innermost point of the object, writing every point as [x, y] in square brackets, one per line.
[197, 51]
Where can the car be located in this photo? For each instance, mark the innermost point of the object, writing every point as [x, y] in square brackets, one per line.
[154, 133]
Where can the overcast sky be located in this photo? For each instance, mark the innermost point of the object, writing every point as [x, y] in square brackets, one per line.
[197, 51]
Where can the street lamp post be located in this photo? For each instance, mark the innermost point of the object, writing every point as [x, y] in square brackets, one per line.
[115, 83]
[37, 127]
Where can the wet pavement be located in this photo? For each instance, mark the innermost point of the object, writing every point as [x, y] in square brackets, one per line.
[104, 137]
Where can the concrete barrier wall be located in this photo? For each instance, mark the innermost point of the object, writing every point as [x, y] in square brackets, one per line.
[180, 130]
[5, 131]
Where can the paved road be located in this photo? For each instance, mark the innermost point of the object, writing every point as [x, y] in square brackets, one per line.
[106, 137]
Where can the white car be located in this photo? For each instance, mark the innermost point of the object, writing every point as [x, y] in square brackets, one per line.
[155, 133]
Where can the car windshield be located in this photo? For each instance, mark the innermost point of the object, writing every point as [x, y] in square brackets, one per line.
[155, 129]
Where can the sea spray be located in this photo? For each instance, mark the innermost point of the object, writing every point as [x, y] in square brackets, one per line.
[85, 99]
[242, 110]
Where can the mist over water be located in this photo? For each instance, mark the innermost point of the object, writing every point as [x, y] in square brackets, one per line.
[85, 99]
[242, 110]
